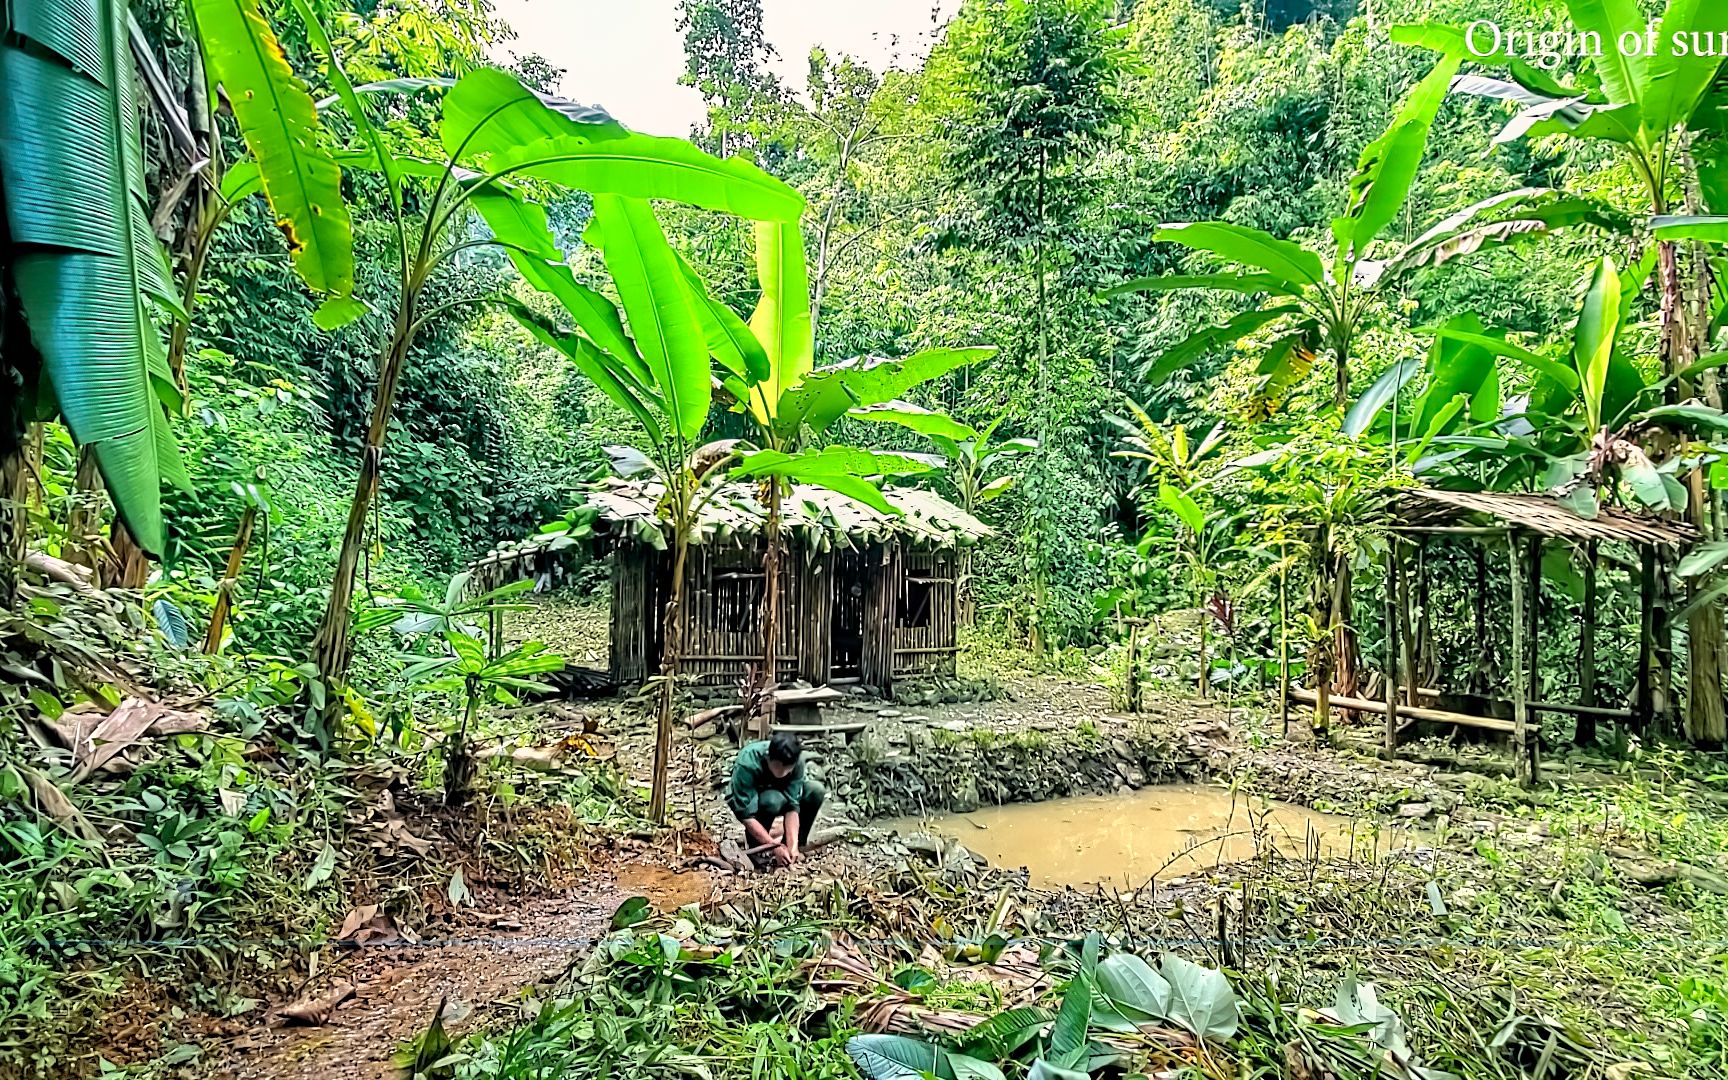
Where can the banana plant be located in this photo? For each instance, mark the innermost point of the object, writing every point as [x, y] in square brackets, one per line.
[1589, 414]
[87, 271]
[651, 359]
[493, 132]
[1311, 307]
[767, 369]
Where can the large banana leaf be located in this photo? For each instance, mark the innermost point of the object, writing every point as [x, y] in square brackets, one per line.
[1593, 343]
[600, 368]
[1458, 369]
[280, 125]
[828, 394]
[922, 420]
[1388, 164]
[488, 111]
[1197, 344]
[84, 260]
[781, 321]
[650, 167]
[1284, 259]
[661, 311]
[1523, 213]
[1675, 83]
[1623, 75]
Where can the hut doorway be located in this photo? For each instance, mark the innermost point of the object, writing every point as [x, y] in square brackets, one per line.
[846, 621]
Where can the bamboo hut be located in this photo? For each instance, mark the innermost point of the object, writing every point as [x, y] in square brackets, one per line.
[865, 596]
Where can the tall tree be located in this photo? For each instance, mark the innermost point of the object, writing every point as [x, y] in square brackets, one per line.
[726, 59]
[1024, 92]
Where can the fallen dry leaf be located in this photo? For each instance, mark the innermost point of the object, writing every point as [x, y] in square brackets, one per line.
[316, 1010]
[97, 747]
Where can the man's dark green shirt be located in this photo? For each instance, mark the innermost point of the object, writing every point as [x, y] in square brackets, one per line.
[751, 777]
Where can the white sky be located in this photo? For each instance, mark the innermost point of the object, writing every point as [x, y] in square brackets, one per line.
[626, 55]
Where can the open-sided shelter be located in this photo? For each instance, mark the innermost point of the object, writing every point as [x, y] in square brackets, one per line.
[1526, 522]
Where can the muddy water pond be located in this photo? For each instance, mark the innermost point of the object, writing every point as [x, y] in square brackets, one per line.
[1164, 831]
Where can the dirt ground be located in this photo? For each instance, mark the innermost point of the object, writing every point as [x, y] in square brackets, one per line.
[490, 965]
[495, 959]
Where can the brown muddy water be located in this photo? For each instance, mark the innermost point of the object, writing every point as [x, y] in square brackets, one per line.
[1157, 832]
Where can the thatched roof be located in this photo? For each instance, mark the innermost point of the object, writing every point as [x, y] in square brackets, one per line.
[1541, 514]
[819, 517]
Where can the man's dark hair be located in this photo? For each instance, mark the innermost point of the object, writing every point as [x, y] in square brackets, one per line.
[784, 748]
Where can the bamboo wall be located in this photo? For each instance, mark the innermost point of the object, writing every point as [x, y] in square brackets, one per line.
[926, 611]
[860, 595]
[635, 615]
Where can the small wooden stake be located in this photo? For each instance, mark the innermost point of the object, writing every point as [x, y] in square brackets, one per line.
[1284, 649]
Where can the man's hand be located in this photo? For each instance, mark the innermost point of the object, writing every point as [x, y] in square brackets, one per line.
[783, 856]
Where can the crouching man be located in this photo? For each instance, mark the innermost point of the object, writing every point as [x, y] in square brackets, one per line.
[767, 785]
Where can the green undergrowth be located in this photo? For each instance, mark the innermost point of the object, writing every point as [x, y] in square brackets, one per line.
[197, 872]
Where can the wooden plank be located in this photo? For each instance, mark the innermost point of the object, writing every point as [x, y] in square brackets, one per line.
[813, 695]
[1439, 716]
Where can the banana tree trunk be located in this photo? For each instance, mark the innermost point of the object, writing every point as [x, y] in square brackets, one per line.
[332, 648]
[1347, 663]
[83, 546]
[14, 519]
[1706, 714]
[763, 698]
[230, 581]
[671, 657]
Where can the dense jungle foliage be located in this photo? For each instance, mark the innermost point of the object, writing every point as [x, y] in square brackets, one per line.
[1170, 293]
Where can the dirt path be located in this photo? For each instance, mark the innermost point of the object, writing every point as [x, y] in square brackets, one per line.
[477, 970]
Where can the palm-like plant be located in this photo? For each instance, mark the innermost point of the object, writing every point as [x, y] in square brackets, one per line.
[767, 368]
[1173, 462]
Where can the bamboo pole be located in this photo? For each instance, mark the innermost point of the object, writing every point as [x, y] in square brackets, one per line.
[1584, 734]
[1441, 716]
[1520, 714]
[1391, 650]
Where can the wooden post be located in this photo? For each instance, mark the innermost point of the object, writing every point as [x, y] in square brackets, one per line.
[1392, 614]
[1532, 749]
[1662, 645]
[1406, 633]
[1284, 649]
[1585, 732]
[1643, 708]
[1520, 715]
